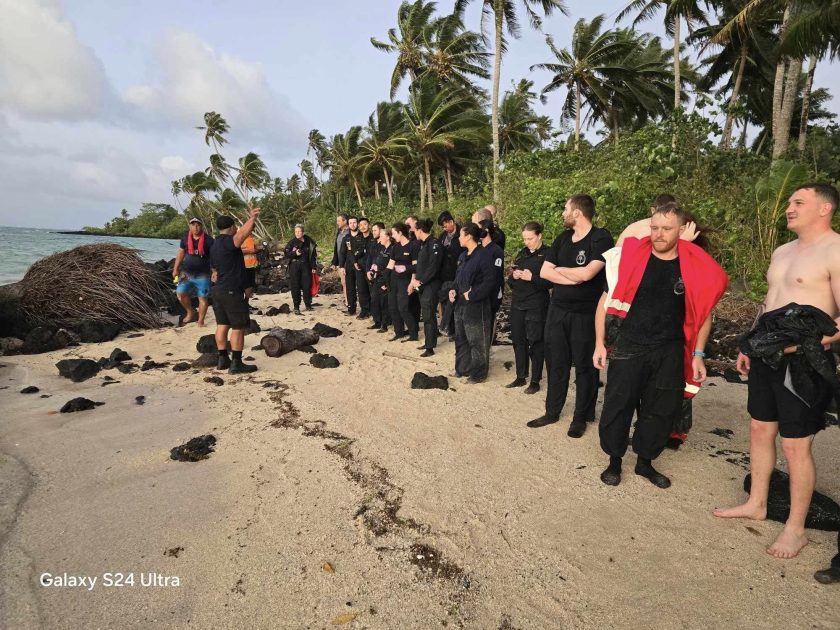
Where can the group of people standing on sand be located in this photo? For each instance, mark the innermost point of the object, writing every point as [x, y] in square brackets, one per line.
[645, 302]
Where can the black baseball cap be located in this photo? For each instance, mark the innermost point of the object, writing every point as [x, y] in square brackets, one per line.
[223, 222]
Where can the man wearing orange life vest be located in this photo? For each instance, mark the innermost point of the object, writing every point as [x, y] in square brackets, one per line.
[250, 249]
[192, 271]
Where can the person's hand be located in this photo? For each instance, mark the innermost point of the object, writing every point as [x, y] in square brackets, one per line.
[690, 233]
[369, 276]
[357, 267]
[526, 275]
[791, 349]
[214, 276]
[467, 295]
[742, 364]
[515, 274]
[698, 369]
[599, 357]
[452, 295]
[255, 213]
[342, 272]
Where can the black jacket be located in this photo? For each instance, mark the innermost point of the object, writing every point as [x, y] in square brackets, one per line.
[373, 250]
[802, 326]
[499, 237]
[451, 254]
[338, 248]
[534, 293]
[497, 259]
[429, 261]
[355, 249]
[306, 251]
[477, 275]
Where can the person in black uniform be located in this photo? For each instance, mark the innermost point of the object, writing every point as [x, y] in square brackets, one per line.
[489, 213]
[528, 307]
[380, 278]
[575, 266]
[362, 242]
[475, 282]
[341, 230]
[348, 246]
[373, 251]
[229, 303]
[497, 255]
[450, 241]
[403, 260]
[427, 280]
[302, 255]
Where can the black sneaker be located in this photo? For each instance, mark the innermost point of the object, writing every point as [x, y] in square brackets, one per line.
[828, 576]
[297, 311]
[374, 326]
[428, 353]
[308, 307]
[519, 382]
[397, 337]
[543, 421]
[576, 429]
[654, 476]
[410, 338]
[363, 315]
[237, 367]
[382, 330]
[611, 477]
[533, 388]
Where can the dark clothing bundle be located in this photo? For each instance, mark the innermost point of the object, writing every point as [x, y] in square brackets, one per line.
[810, 370]
[196, 254]
[528, 309]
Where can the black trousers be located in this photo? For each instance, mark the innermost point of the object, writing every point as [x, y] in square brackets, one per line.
[654, 381]
[350, 281]
[526, 332]
[405, 307]
[394, 307]
[379, 303]
[473, 329]
[300, 283]
[362, 290]
[570, 340]
[428, 305]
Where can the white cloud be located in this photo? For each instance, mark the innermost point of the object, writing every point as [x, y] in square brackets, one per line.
[45, 72]
[176, 164]
[194, 79]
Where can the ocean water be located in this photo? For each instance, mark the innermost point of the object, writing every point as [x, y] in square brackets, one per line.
[20, 247]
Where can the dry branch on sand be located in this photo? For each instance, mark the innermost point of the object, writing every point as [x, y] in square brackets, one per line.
[102, 282]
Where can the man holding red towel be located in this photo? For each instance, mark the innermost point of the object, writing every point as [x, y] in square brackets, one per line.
[657, 321]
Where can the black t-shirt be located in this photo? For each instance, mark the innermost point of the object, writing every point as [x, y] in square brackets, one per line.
[579, 298]
[196, 264]
[229, 262]
[403, 256]
[657, 313]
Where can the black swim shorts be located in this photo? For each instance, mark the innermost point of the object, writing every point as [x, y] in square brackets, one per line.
[768, 400]
[231, 309]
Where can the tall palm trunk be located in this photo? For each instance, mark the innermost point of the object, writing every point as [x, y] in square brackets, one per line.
[577, 115]
[726, 141]
[422, 190]
[782, 140]
[615, 129]
[447, 173]
[376, 189]
[428, 180]
[677, 79]
[388, 186]
[358, 191]
[779, 81]
[806, 103]
[497, 72]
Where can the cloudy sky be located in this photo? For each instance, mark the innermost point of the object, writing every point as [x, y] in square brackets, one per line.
[99, 98]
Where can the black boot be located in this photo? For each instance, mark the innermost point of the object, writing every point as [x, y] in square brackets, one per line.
[238, 367]
[612, 475]
[644, 468]
[224, 360]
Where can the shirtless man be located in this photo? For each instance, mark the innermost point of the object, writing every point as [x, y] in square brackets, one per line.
[805, 271]
[641, 228]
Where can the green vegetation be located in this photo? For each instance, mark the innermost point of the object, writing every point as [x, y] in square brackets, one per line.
[158, 220]
[665, 125]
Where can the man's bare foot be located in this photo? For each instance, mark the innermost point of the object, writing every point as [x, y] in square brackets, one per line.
[200, 324]
[745, 510]
[787, 545]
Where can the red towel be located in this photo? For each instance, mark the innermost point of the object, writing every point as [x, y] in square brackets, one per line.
[191, 247]
[705, 281]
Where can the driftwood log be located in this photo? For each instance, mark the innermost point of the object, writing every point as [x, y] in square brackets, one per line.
[278, 341]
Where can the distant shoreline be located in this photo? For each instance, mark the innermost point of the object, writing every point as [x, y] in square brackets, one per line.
[85, 233]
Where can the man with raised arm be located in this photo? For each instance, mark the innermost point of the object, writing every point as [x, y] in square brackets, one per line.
[803, 280]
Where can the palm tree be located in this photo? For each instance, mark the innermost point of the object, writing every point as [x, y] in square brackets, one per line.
[293, 184]
[198, 185]
[384, 147]
[742, 46]
[517, 120]
[438, 122]
[504, 14]
[588, 69]
[343, 152]
[407, 40]
[317, 145]
[675, 12]
[453, 55]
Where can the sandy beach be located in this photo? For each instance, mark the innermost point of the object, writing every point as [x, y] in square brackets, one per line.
[342, 496]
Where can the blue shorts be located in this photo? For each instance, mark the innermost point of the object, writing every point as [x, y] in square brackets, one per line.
[201, 284]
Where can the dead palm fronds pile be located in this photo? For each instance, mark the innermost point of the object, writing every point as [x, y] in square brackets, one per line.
[101, 282]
